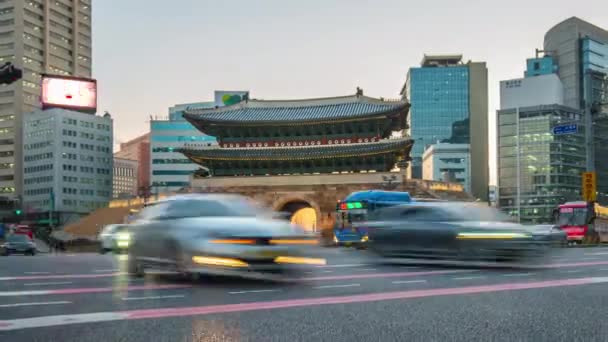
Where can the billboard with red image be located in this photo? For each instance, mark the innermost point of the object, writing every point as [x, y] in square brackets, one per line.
[73, 93]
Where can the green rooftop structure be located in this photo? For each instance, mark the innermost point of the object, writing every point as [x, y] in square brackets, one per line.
[326, 135]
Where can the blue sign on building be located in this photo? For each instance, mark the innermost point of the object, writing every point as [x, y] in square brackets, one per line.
[565, 129]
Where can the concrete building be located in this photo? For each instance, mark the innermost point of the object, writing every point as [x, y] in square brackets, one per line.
[581, 51]
[124, 178]
[138, 149]
[448, 163]
[449, 104]
[67, 162]
[37, 36]
[169, 170]
[531, 91]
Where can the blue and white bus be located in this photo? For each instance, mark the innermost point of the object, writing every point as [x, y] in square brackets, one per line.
[356, 207]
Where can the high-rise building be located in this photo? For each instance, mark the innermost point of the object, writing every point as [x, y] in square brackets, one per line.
[537, 169]
[138, 149]
[581, 51]
[124, 178]
[39, 37]
[67, 163]
[170, 171]
[540, 144]
[449, 104]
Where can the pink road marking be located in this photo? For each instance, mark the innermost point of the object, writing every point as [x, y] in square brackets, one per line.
[60, 320]
[214, 309]
[381, 275]
[64, 276]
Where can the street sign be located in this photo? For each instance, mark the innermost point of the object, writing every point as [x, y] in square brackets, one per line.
[565, 129]
[589, 186]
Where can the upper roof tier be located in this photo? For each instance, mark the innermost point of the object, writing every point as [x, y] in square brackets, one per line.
[289, 112]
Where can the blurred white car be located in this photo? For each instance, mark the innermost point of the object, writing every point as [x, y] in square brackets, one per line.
[217, 234]
[114, 237]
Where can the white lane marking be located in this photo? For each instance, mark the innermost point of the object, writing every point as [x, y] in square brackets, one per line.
[343, 265]
[517, 274]
[70, 255]
[589, 259]
[154, 297]
[49, 283]
[597, 253]
[326, 271]
[108, 270]
[572, 271]
[32, 304]
[368, 269]
[335, 286]
[36, 272]
[23, 293]
[252, 291]
[409, 281]
[603, 269]
[59, 320]
[469, 278]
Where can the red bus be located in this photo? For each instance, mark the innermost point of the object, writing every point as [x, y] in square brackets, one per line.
[583, 222]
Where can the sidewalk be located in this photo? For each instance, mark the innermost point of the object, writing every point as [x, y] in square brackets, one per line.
[41, 246]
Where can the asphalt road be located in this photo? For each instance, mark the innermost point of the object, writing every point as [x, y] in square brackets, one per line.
[87, 297]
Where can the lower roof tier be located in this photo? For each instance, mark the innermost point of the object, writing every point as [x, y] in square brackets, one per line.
[400, 146]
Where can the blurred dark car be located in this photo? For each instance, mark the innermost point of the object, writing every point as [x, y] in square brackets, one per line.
[460, 231]
[18, 244]
[216, 234]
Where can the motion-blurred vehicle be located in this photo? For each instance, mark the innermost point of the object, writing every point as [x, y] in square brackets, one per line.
[114, 238]
[459, 231]
[18, 244]
[354, 210]
[217, 234]
[584, 222]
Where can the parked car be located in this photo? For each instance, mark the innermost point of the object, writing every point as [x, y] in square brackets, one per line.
[18, 244]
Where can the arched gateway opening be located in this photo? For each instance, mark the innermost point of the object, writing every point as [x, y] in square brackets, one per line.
[301, 213]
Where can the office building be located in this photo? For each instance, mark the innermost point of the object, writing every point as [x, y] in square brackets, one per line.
[67, 163]
[124, 178]
[539, 163]
[449, 104]
[448, 163]
[138, 149]
[37, 36]
[170, 171]
[537, 169]
[581, 51]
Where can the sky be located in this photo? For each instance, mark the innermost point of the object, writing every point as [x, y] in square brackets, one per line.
[151, 54]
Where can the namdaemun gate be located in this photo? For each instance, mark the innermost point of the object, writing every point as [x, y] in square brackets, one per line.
[330, 135]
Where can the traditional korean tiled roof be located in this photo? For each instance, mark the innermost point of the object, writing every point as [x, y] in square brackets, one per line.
[294, 111]
[300, 153]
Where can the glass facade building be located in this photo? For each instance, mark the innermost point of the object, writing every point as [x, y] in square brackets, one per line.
[169, 170]
[538, 170]
[594, 57]
[540, 66]
[439, 111]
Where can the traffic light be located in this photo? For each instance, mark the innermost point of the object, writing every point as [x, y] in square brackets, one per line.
[18, 212]
[9, 74]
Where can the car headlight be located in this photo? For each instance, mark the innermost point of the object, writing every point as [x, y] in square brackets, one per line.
[491, 235]
[365, 238]
[123, 236]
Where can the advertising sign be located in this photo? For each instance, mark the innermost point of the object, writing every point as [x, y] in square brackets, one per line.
[70, 93]
[589, 186]
[227, 98]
